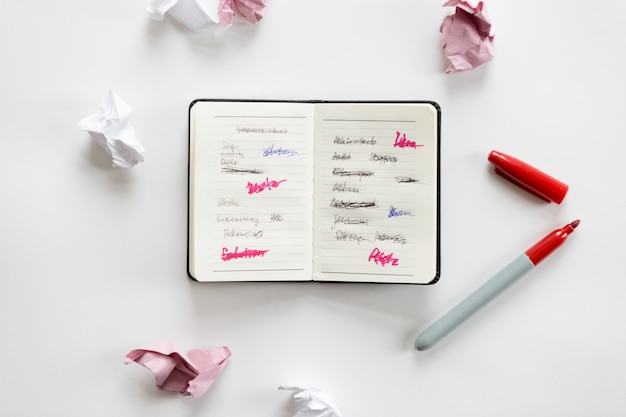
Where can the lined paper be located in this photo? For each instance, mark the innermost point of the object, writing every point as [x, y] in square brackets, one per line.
[252, 203]
[375, 193]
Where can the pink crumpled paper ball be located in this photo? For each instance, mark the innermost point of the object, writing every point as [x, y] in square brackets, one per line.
[190, 373]
[466, 36]
[248, 10]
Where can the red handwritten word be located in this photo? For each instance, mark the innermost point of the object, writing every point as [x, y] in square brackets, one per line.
[257, 188]
[403, 142]
[380, 258]
[246, 253]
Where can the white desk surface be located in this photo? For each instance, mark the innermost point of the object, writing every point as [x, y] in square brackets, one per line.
[93, 258]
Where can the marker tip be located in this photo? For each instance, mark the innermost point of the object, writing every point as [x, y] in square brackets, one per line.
[575, 223]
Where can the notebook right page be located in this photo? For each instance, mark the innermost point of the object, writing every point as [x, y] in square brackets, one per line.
[376, 199]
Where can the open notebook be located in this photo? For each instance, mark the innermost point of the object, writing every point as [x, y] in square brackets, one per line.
[324, 191]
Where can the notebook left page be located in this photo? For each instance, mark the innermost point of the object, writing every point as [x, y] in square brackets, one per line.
[250, 191]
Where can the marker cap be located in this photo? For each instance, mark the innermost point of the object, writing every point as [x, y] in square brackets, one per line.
[528, 177]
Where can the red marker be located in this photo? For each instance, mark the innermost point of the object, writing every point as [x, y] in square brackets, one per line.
[540, 250]
[494, 286]
[528, 177]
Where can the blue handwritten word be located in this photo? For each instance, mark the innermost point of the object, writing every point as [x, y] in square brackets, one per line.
[270, 151]
[394, 212]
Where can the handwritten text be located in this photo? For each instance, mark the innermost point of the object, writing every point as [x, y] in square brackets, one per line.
[345, 188]
[383, 159]
[348, 220]
[246, 253]
[340, 140]
[402, 141]
[237, 219]
[271, 151]
[340, 172]
[352, 204]
[253, 234]
[342, 235]
[233, 170]
[398, 238]
[382, 259]
[267, 184]
[276, 217]
[227, 202]
[394, 212]
[261, 130]
[341, 156]
[402, 179]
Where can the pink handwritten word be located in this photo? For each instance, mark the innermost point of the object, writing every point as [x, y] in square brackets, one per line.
[380, 258]
[247, 253]
[257, 188]
[402, 142]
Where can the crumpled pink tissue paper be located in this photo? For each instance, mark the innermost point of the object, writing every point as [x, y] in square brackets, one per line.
[466, 36]
[190, 373]
[248, 10]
